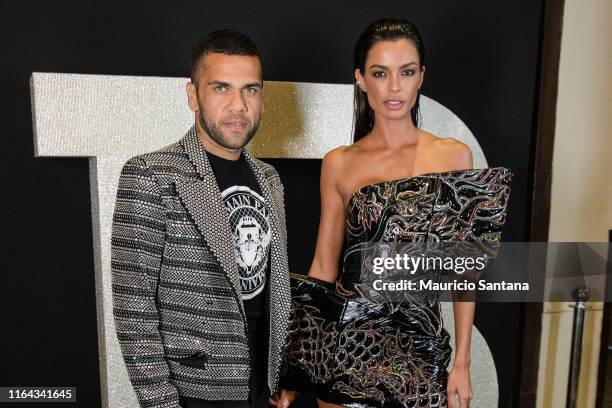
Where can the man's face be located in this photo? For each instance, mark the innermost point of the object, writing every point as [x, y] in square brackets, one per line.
[227, 98]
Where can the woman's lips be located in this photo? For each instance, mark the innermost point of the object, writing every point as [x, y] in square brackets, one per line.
[394, 104]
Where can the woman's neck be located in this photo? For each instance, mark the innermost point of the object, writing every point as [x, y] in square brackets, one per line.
[395, 133]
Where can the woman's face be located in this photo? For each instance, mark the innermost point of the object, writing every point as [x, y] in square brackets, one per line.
[391, 78]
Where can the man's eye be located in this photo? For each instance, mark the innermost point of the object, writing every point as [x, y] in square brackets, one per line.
[220, 88]
[251, 91]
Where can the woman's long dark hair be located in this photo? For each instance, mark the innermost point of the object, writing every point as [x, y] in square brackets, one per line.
[387, 29]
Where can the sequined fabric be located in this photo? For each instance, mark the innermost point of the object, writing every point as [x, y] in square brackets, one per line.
[353, 351]
[178, 309]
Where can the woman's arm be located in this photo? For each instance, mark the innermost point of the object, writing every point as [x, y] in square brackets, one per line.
[459, 379]
[463, 311]
[464, 319]
[331, 226]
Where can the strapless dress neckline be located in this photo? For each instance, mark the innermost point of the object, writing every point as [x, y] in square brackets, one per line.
[429, 174]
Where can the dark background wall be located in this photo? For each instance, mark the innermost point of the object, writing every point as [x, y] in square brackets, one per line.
[482, 60]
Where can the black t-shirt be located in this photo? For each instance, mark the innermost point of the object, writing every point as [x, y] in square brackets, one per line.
[249, 222]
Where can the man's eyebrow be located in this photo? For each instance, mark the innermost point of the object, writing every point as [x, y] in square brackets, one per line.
[217, 82]
[227, 84]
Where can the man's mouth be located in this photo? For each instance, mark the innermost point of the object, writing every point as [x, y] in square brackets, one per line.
[235, 124]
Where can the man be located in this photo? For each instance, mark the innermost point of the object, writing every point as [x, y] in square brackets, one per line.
[199, 260]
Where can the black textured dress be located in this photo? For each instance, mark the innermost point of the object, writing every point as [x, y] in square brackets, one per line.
[354, 351]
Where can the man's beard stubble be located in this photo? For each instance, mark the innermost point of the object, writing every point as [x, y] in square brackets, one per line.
[218, 137]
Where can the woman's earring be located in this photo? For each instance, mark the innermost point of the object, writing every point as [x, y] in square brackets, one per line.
[358, 83]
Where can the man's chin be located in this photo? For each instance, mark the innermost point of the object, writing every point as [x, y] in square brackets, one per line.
[233, 142]
[236, 140]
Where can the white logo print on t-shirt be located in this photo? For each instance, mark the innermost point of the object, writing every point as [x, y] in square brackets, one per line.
[248, 217]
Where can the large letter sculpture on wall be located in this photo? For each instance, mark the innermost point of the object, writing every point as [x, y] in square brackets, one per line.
[112, 118]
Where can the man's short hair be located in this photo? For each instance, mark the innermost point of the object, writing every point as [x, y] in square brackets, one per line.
[229, 42]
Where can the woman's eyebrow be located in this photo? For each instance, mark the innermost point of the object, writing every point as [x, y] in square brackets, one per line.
[384, 67]
[378, 66]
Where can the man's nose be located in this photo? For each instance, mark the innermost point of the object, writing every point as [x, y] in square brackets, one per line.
[237, 102]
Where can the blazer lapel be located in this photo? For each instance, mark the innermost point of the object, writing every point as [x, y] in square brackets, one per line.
[202, 200]
[280, 294]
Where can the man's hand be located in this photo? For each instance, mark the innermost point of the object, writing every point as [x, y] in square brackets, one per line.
[284, 400]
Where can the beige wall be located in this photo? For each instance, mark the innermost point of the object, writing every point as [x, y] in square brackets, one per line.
[581, 199]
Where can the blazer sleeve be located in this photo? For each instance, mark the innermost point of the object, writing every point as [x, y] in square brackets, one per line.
[138, 236]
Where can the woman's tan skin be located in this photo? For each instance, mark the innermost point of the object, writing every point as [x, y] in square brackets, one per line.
[394, 149]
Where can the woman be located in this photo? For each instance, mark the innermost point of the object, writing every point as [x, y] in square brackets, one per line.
[388, 186]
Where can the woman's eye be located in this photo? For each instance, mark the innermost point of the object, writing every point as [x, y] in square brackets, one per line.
[379, 74]
[408, 72]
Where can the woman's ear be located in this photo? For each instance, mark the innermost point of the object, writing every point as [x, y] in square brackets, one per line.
[422, 76]
[359, 80]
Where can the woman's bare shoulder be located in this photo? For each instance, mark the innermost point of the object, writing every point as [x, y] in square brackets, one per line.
[335, 157]
[334, 161]
[455, 154]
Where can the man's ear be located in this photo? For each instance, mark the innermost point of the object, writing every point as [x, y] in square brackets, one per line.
[359, 80]
[263, 103]
[192, 96]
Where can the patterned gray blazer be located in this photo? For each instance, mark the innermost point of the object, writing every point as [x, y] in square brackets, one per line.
[176, 288]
